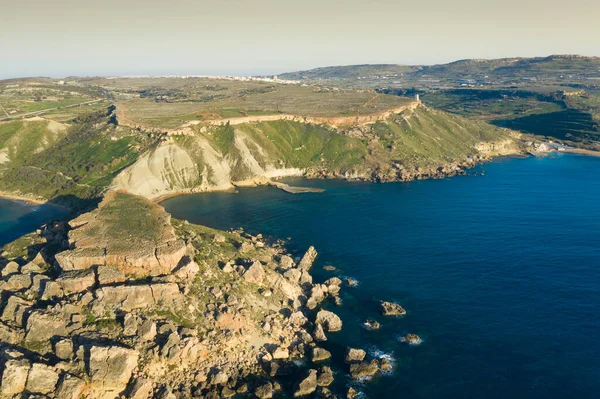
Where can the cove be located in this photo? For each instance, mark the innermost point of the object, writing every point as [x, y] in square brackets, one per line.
[500, 273]
[19, 218]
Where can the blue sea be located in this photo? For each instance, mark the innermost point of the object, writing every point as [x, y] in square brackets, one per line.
[499, 273]
[19, 218]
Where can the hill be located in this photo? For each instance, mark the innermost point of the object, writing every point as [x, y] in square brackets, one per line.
[551, 67]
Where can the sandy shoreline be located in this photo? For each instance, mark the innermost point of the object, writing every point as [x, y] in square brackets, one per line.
[22, 198]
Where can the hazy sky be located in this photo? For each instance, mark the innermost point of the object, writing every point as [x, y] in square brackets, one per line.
[109, 37]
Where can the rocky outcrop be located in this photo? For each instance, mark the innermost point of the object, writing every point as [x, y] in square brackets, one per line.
[207, 328]
[110, 369]
[104, 238]
[392, 309]
[329, 321]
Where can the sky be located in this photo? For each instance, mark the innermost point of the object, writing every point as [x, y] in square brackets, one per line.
[248, 37]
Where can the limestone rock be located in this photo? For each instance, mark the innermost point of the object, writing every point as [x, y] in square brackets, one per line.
[324, 377]
[63, 349]
[320, 354]
[255, 273]
[110, 275]
[286, 262]
[70, 387]
[18, 282]
[14, 376]
[76, 281]
[41, 379]
[329, 320]
[281, 353]
[147, 330]
[15, 309]
[43, 326]
[354, 355]
[308, 385]
[364, 369]
[411, 339]
[293, 275]
[392, 309]
[10, 268]
[110, 367]
[141, 389]
[298, 319]
[308, 259]
[11, 335]
[130, 297]
[187, 269]
[319, 334]
[264, 391]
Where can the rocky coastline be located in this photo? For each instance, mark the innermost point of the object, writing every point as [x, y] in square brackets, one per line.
[185, 311]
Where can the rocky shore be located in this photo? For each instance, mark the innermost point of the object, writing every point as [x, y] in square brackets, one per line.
[125, 302]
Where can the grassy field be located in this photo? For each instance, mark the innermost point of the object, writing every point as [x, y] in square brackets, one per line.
[35, 97]
[242, 101]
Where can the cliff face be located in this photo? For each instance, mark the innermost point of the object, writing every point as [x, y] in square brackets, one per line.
[399, 145]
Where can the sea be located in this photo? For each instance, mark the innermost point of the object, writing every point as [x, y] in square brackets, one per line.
[18, 218]
[499, 273]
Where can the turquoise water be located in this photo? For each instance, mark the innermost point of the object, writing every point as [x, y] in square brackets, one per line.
[18, 218]
[500, 273]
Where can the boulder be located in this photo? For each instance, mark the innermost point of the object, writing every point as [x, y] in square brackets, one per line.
[286, 262]
[76, 281]
[15, 310]
[220, 378]
[319, 334]
[63, 349]
[10, 335]
[70, 387]
[355, 355]
[316, 297]
[51, 289]
[43, 326]
[14, 376]
[298, 319]
[411, 339]
[324, 377]
[329, 320]
[264, 391]
[392, 309]
[364, 369]
[293, 275]
[333, 281]
[308, 385]
[18, 282]
[281, 353]
[42, 379]
[352, 393]
[372, 325]
[131, 323]
[140, 389]
[308, 259]
[10, 268]
[110, 275]
[147, 330]
[255, 273]
[187, 269]
[110, 367]
[320, 354]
